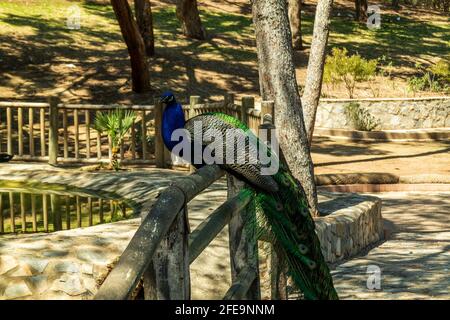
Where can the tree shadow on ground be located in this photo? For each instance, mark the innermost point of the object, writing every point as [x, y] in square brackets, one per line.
[214, 67]
[324, 145]
[368, 149]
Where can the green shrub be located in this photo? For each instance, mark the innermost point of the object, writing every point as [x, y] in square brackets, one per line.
[435, 78]
[441, 70]
[339, 67]
[360, 118]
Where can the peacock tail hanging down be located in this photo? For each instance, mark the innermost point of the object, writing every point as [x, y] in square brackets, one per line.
[282, 213]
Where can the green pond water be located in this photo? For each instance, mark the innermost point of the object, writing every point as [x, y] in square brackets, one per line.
[36, 207]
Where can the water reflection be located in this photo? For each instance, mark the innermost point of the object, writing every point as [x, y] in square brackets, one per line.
[25, 211]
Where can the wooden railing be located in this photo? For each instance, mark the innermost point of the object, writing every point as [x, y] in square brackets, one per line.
[59, 132]
[162, 248]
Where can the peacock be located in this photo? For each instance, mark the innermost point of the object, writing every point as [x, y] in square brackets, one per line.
[282, 212]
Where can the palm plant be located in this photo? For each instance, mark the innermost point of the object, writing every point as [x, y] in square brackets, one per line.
[116, 124]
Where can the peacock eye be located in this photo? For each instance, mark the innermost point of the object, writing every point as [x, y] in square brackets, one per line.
[171, 98]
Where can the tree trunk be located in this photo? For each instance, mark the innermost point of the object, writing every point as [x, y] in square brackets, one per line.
[187, 13]
[361, 10]
[278, 83]
[364, 6]
[446, 5]
[140, 74]
[295, 20]
[395, 4]
[143, 12]
[316, 63]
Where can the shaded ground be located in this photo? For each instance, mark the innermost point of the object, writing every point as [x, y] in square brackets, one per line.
[414, 261]
[331, 155]
[40, 56]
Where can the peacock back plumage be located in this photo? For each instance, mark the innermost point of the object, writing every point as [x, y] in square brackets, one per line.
[282, 212]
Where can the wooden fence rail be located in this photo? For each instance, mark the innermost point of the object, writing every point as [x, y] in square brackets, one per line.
[58, 132]
[162, 249]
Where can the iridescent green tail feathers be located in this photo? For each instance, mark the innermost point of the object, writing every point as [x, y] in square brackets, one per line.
[284, 218]
[282, 213]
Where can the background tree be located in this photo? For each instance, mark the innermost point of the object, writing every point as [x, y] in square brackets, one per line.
[144, 18]
[396, 4]
[191, 24]
[295, 20]
[314, 73]
[278, 83]
[361, 10]
[140, 74]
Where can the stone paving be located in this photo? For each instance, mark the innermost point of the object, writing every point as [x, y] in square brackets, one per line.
[414, 261]
[68, 264]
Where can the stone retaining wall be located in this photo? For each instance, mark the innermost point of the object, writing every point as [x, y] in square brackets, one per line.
[395, 113]
[354, 225]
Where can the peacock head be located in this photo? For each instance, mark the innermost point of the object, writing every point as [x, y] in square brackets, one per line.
[167, 98]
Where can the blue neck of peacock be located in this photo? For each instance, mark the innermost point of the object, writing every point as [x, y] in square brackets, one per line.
[173, 119]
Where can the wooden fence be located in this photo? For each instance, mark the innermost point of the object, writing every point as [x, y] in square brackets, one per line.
[162, 248]
[58, 132]
[49, 211]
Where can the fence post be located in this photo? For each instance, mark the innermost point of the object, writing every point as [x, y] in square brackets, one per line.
[193, 100]
[278, 277]
[143, 135]
[228, 99]
[167, 277]
[56, 210]
[267, 107]
[248, 102]
[20, 130]
[9, 148]
[53, 131]
[159, 144]
[243, 249]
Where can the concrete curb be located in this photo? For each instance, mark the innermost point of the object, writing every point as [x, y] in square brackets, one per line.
[378, 178]
[435, 134]
[398, 187]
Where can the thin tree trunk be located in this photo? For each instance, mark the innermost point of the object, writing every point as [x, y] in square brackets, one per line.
[295, 20]
[357, 9]
[144, 18]
[191, 24]
[395, 4]
[316, 63]
[446, 5]
[140, 74]
[278, 83]
[364, 10]
[361, 10]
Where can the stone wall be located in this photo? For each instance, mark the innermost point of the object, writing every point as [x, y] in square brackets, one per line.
[391, 114]
[352, 224]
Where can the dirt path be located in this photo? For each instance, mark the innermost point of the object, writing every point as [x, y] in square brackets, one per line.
[414, 261]
[332, 155]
